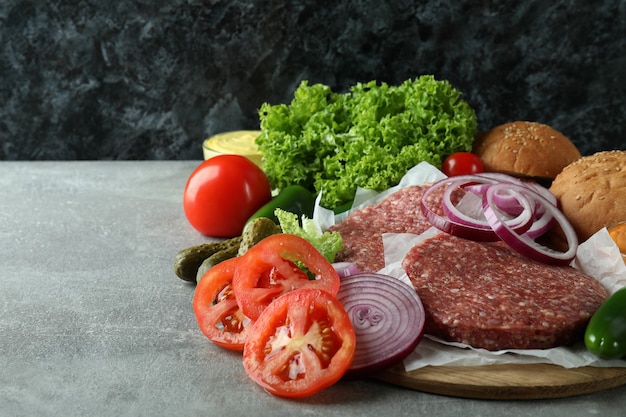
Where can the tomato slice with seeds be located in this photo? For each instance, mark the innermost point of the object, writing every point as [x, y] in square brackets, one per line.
[302, 343]
[271, 268]
[216, 310]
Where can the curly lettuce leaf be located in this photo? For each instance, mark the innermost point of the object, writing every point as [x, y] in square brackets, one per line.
[368, 137]
[327, 243]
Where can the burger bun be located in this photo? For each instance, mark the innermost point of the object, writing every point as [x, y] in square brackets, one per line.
[591, 192]
[526, 150]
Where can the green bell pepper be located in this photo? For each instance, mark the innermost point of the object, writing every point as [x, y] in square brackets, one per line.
[343, 207]
[293, 198]
[605, 334]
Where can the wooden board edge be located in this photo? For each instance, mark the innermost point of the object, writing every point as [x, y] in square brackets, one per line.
[506, 382]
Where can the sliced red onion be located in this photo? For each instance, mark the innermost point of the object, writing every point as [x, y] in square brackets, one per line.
[464, 221]
[509, 204]
[500, 178]
[345, 269]
[543, 191]
[431, 202]
[543, 222]
[519, 220]
[388, 319]
[543, 218]
[523, 243]
[515, 211]
[467, 211]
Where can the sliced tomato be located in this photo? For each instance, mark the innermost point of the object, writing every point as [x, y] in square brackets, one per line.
[270, 269]
[302, 343]
[216, 310]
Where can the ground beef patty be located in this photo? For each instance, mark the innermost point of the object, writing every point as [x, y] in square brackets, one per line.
[362, 231]
[486, 295]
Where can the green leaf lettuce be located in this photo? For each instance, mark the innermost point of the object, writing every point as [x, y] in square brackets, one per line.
[327, 243]
[368, 137]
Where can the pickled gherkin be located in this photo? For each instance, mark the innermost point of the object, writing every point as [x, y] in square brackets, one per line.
[187, 261]
[253, 233]
[192, 263]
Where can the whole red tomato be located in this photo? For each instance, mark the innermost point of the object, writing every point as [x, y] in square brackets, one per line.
[462, 163]
[222, 193]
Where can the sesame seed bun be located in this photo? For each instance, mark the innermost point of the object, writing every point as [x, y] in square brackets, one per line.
[592, 192]
[525, 149]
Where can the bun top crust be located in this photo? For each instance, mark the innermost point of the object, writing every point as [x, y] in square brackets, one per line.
[592, 192]
[526, 149]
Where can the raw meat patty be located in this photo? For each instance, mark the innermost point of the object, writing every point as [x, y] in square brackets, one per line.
[488, 296]
[362, 231]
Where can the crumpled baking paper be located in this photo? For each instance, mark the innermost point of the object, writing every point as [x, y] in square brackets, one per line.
[599, 256]
[422, 173]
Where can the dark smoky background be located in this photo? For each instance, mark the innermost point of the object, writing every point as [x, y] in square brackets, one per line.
[146, 79]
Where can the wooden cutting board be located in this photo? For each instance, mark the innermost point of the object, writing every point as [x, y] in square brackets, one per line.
[506, 382]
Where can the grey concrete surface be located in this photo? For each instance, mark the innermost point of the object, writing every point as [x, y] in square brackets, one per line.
[93, 321]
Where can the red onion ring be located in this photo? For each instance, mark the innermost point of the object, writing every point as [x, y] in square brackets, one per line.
[470, 230]
[515, 211]
[543, 222]
[523, 243]
[345, 269]
[520, 223]
[544, 219]
[388, 319]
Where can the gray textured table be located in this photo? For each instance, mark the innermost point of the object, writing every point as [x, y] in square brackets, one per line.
[93, 321]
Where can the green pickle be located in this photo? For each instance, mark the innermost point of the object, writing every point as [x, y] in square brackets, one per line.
[293, 198]
[187, 261]
[255, 231]
[215, 259]
[605, 335]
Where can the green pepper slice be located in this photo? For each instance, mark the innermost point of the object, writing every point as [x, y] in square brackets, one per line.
[344, 207]
[605, 334]
[293, 198]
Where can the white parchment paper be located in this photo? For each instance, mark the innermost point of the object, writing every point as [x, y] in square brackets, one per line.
[599, 256]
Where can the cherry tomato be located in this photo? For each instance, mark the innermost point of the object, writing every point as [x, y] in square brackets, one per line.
[216, 309]
[269, 269]
[462, 163]
[222, 193]
[302, 343]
